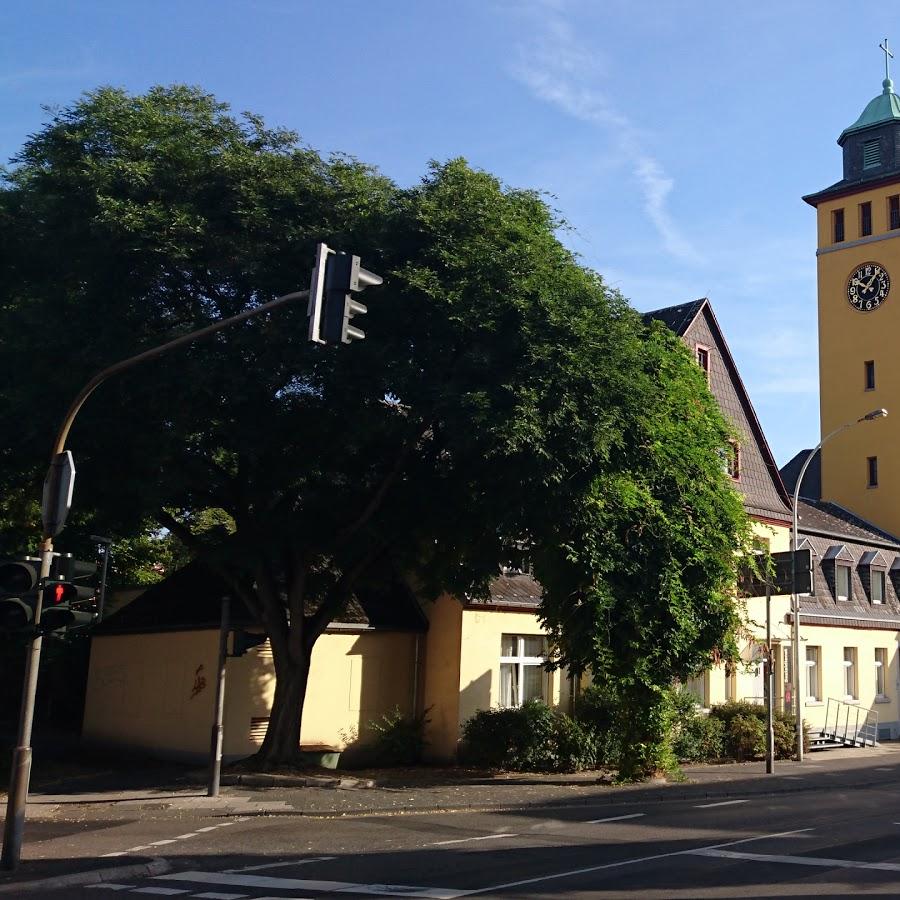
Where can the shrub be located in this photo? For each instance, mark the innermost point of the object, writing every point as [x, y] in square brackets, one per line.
[700, 738]
[401, 738]
[746, 737]
[783, 727]
[531, 738]
[595, 711]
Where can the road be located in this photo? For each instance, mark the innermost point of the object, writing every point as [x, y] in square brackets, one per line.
[833, 842]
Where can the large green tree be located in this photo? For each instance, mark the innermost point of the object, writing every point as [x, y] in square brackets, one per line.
[503, 392]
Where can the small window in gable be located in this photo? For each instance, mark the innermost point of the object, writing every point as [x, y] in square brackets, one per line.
[872, 471]
[871, 154]
[733, 460]
[703, 359]
[870, 374]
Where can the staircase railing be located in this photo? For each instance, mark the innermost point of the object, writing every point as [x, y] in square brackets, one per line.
[850, 724]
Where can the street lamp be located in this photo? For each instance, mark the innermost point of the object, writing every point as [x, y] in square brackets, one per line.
[795, 599]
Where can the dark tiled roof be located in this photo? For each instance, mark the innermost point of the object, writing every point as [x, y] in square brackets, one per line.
[760, 484]
[191, 599]
[811, 489]
[831, 519]
[513, 590]
[678, 318]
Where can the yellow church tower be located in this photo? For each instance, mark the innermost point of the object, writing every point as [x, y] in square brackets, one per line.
[859, 314]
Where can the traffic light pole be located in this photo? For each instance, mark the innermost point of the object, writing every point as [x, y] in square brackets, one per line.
[215, 744]
[20, 776]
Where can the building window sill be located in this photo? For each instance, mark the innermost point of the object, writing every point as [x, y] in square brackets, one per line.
[814, 703]
[881, 698]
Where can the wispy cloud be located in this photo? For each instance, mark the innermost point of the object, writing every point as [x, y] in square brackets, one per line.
[560, 71]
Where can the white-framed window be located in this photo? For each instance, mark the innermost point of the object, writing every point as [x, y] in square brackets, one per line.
[522, 675]
[813, 674]
[876, 579]
[842, 581]
[698, 687]
[851, 688]
[880, 669]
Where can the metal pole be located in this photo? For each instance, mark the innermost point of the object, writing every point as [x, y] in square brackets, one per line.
[215, 744]
[769, 685]
[20, 776]
[795, 597]
[101, 605]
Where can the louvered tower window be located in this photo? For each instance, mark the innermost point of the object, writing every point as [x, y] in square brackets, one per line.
[871, 154]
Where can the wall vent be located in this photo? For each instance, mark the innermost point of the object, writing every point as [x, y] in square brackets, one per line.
[259, 725]
[871, 154]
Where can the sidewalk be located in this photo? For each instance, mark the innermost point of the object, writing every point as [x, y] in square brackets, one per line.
[96, 801]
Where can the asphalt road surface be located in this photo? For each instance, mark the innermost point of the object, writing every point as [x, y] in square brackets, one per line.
[820, 843]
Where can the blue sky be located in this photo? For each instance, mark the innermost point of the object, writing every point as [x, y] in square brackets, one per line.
[675, 137]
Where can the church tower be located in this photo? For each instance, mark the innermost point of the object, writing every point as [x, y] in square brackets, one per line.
[859, 313]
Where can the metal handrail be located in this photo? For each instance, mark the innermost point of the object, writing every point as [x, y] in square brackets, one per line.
[865, 735]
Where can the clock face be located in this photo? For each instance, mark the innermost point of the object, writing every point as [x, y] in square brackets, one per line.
[868, 286]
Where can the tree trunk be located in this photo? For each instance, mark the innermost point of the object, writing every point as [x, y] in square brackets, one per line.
[282, 742]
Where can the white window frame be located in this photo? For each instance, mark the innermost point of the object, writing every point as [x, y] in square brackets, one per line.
[880, 672]
[880, 576]
[814, 675]
[837, 592]
[522, 662]
[851, 678]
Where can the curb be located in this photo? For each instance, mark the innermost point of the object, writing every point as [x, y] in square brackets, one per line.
[319, 781]
[93, 876]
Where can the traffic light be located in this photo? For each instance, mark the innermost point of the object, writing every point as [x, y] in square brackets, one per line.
[19, 580]
[343, 276]
[64, 602]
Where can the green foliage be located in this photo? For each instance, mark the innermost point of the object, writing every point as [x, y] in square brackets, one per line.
[700, 738]
[532, 738]
[401, 738]
[504, 393]
[740, 740]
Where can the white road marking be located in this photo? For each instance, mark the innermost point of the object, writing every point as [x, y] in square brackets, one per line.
[792, 777]
[161, 891]
[287, 884]
[111, 886]
[883, 769]
[180, 837]
[625, 862]
[486, 837]
[722, 803]
[278, 865]
[614, 819]
[215, 895]
[798, 860]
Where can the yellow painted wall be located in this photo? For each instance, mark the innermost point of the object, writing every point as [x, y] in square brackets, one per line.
[462, 667]
[832, 642]
[847, 338]
[441, 671]
[156, 691]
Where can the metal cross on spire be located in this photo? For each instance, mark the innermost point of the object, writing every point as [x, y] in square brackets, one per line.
[887, 53]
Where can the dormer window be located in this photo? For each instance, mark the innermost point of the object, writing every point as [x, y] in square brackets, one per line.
[871, 154]
[873, 574]
[837, 563]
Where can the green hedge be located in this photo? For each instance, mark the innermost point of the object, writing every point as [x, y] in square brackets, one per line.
[531, 738]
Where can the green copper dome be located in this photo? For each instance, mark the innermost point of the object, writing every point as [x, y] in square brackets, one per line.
[884, 108]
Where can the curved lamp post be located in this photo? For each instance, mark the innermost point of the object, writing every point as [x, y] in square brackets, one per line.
[795, 599]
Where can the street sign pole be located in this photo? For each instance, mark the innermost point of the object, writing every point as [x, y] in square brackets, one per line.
[215, 744]
[20, 776]
[769, 687]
